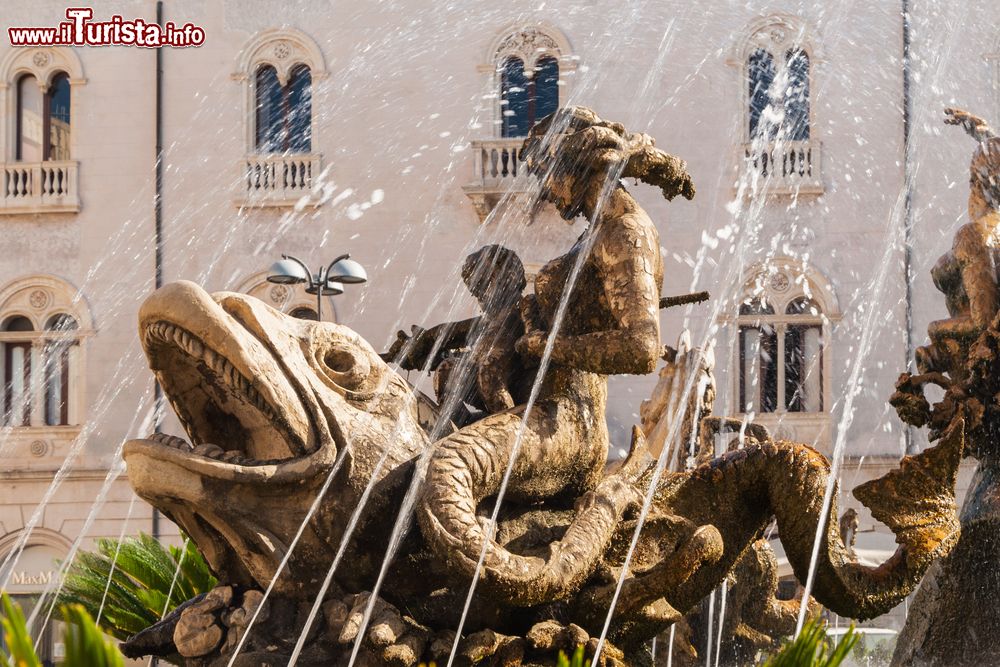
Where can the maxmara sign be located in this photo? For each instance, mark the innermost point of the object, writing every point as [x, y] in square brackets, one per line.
[34, 570]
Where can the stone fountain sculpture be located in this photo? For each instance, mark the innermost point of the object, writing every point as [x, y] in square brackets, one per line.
[755, 619]
[274, 407]
[951, 621]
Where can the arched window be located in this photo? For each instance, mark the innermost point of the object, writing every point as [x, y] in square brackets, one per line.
[528, 64]
[40, 91]
[304, 313]
[42, 324]
[778, 100]
[17, 371]
[777, 66]
[43, 119]
[283, 118]
[526, 99]
[279, 68]
[59, 358]
[782, 337]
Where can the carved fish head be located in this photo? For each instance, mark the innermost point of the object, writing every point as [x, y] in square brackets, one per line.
[268, 402]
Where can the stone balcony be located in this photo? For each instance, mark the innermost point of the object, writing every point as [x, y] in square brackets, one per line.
[783, 168]
[277, 180]
[40, 187]
[496, 165]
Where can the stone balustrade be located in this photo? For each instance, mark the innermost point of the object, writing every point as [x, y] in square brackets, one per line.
[40, 187]
[496, 165]
[783, 168]
[277, 180]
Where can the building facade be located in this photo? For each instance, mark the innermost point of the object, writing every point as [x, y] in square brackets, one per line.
[827, 188]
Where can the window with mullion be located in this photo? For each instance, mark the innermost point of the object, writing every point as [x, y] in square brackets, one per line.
[283, 115]
[526, 100]
[792, 100]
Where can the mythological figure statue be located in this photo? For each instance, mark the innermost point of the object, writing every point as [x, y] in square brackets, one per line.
[963, 358]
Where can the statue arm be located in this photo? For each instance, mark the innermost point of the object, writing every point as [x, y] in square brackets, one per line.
[413, 351]
[977, 127]
[627, 257]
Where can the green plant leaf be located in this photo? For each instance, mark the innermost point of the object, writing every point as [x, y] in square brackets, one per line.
[813, 648]
[133, 578]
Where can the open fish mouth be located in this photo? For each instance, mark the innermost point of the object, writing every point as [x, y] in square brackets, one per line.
[237, 401]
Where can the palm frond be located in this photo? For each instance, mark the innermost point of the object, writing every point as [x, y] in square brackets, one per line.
[21, 650]
[85, 643]
[125, 585]
[813, 648]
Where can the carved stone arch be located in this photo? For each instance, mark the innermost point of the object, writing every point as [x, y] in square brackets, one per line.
[38, 535]
[772, 32]
[43, 63]
[530, 42]
[284, 49]
[285, 298]
[40, 297]
[782, 279]
[39, 551]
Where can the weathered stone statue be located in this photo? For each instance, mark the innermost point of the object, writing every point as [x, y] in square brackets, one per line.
[659, 411]
[275, 407]
[474, 362]
[755, 619]
[963, 358]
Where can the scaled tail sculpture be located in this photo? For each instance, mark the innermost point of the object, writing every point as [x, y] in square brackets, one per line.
[275, 407]
[963, 358]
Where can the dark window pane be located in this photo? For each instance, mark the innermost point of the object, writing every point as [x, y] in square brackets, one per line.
[60, 323]
[760, 73]
[515, 99]
[546, 88]
[796, 96]
[304, 313]
[758, 369]
[18, 323]
[300, 110]
[756, 307]
[787, 588]
[803, 368]
[269, 116]
[59, 118]
[768, 369]
[802, 305]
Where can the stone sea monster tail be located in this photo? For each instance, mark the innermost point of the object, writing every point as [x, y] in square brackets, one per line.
[917, 502]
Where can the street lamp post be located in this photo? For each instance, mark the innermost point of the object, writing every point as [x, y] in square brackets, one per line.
[329, 281]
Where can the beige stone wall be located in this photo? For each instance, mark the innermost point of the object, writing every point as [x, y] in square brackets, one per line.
[403, 97]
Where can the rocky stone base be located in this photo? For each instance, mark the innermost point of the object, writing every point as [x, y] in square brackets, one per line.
[206, 631]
